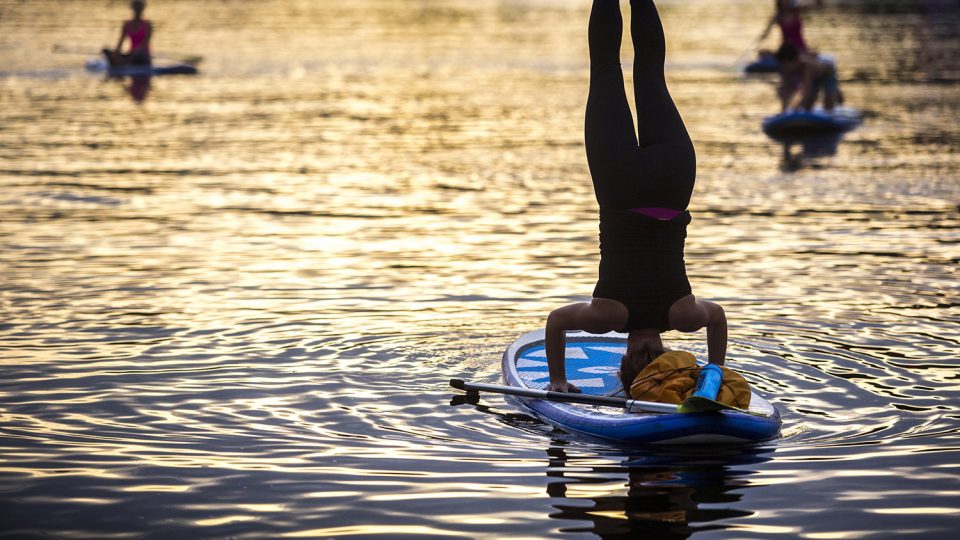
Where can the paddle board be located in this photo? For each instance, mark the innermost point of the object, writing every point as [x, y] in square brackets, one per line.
[813, 122]
[766, 62]
[592, 362]
[102, 66]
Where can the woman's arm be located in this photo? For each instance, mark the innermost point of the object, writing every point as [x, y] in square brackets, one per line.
[766, 31]
[716, 333]
[808, 90]
[791, 79]
[690, 314]
[597, 317]
[785, 94]
[558, 322]
[123, 34]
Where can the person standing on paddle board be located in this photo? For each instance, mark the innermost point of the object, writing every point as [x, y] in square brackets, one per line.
[643, 183]
[139, 31]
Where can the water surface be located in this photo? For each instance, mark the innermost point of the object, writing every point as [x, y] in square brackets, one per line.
[231, 309]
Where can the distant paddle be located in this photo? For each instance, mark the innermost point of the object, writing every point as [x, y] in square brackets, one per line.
[752, 48]
[192, 59]
[755, 44]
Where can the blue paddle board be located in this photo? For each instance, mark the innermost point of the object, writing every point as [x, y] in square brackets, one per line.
[102, 66]
[592, 362]
[766, 62]
[813, 122]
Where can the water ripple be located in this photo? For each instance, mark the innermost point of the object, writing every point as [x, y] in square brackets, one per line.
[232, 310]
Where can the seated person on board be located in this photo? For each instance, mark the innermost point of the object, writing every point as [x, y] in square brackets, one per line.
[139, 31]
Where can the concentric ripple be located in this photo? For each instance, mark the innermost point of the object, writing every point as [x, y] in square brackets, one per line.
[233, 309]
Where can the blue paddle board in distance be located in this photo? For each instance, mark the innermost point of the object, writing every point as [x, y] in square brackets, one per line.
[102, 66]
[766, 62]
[813, 122]
[592, 362]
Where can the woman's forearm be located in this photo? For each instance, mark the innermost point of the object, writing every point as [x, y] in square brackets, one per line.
[717, 336]
[556, 345]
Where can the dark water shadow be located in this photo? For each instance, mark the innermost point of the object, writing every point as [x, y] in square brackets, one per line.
[805, 151]
[639, 492]
[139, 88]
[663, 490]
[136, 86]
[522, 421]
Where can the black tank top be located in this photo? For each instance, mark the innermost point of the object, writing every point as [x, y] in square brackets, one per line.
[641, 264]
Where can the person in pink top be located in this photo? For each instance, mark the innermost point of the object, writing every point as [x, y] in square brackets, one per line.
[139, 31]
[787, 15]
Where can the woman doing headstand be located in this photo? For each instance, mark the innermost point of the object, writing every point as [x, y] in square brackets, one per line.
[643, 183]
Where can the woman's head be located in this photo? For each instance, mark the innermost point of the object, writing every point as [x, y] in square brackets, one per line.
[643, 347]
[786, 5]
[138, 6]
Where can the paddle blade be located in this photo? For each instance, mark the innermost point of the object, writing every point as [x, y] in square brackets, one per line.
[697, 404]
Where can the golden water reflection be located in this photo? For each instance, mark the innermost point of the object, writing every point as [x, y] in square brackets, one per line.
[233, 308]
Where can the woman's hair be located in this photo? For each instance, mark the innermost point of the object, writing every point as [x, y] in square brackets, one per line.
[635, 360]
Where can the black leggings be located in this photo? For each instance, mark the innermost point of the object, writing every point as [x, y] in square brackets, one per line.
[659, 169]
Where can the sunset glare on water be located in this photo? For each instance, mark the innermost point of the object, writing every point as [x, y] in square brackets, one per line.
[232, 301]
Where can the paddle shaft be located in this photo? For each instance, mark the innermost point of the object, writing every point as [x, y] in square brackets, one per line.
[629, 405]
[185, 58]
[754, 44]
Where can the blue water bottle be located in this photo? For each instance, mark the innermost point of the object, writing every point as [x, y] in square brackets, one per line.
[708, 382]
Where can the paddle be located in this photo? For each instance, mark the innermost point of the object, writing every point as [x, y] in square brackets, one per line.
[698, 404]
[754, 44]
[192, 59]
[628, 405]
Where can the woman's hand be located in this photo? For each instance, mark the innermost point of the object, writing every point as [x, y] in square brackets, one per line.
[563, 386]
[598, 316]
